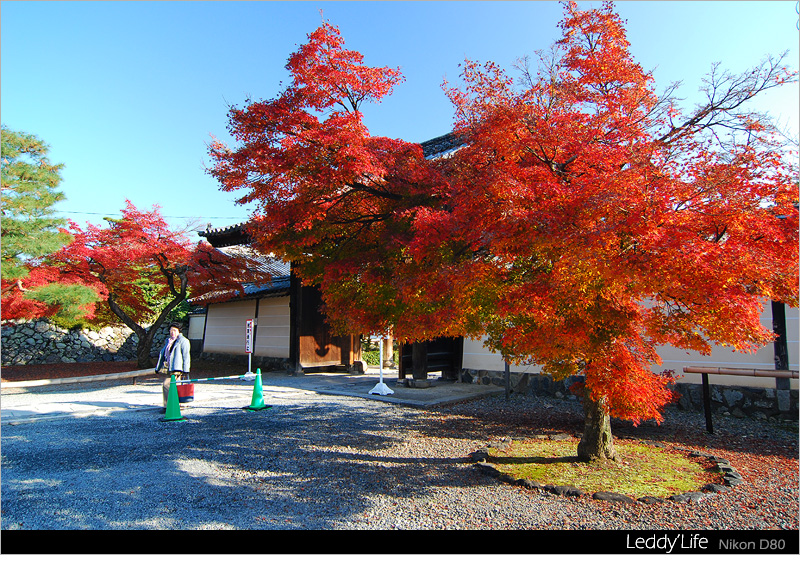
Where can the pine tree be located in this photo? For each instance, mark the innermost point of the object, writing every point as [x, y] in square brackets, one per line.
[29, 228]
[29, 192]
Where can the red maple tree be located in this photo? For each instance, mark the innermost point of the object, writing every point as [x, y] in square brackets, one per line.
[140, 267]
[584, 221]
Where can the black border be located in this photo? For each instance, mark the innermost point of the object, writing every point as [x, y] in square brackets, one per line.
[638, 542]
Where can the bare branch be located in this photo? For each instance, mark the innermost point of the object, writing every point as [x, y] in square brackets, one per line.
[726, 93]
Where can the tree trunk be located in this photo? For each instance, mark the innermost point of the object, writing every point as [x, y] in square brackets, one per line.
[596, 442]
[145, 338]
[144, 350]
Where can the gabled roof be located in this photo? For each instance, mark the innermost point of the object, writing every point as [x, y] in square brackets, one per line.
[226, 236]
[277, 288]
[266, 263]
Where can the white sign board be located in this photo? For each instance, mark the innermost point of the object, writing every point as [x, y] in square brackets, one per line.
[248, 333]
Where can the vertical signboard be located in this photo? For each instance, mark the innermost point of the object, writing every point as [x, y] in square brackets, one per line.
[248, 333]
[248, 344]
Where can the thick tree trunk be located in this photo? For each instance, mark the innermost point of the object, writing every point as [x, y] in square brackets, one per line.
[146, 338]
[596, 442]
[144, 353]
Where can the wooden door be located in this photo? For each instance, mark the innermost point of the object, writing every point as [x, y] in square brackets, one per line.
[318, 348]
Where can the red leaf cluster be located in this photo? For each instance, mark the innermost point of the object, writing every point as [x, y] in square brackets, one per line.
[137, 264]
[582, 224]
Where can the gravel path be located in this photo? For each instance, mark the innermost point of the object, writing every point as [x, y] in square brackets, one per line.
[327, 462]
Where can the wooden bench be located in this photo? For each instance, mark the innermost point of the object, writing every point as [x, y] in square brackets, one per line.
[782, 378]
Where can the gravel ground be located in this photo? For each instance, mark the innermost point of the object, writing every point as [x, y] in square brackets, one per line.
[315, 462]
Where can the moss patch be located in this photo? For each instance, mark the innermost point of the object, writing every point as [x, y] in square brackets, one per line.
[644, 469]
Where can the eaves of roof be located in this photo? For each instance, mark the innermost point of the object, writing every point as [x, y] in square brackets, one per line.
[230, 235]
[441, 146]
[279, 287]
[265, 263]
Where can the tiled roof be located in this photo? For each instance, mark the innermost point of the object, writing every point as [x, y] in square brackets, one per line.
[222, 230]
[267, 263]
[441, 146]
[277, 287]
[226, 236]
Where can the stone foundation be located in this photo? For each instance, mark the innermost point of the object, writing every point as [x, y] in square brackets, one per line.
[741, 402]
[264, 362]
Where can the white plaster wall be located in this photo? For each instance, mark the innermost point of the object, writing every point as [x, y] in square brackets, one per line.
[272, 328]
[225, 331]
[477, 356]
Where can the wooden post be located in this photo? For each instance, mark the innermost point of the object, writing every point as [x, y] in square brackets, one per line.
[295, 322]
[419, 360]
[779, 375]
[508, 381]
[387, 346]
[779, 327]
[356, 348]
[706, 402]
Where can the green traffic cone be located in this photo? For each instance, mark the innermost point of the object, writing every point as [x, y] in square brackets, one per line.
[258, 395]
[172, 403]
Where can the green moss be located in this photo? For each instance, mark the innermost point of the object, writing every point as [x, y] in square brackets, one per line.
[644, 470]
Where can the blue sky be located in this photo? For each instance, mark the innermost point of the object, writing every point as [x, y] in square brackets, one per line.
[127, 94]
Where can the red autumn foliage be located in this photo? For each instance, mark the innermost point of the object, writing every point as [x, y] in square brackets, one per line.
[585, 221]
[139, 266]
[17, 305]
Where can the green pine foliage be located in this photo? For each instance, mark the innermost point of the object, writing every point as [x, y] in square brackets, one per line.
[29, 229]
[70, 299]
[29, 182]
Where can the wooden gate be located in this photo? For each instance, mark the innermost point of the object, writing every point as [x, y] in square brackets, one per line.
[312, 345]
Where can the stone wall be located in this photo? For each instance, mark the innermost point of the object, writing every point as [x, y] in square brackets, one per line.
[753, 402]
[741, 402]
[41, 342]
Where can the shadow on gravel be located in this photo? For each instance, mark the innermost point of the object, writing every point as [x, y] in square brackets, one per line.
[525, 417]
[289, 467]
[315, 464]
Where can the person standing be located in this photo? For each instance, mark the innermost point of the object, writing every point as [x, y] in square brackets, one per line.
[174, 357]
